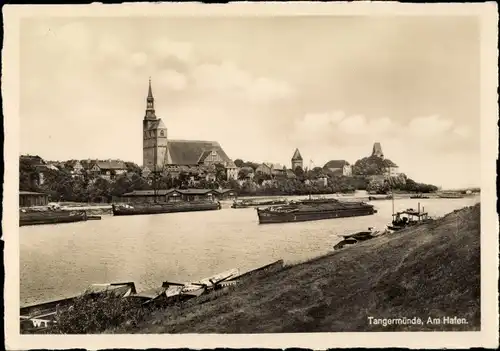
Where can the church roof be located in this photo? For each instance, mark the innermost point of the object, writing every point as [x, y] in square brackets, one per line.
[204, 155]
[296, 155]
[336, 164]
[188, 152]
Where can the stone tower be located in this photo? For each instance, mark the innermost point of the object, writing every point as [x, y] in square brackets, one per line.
[154, 139]
[297, 160]
[377, 150]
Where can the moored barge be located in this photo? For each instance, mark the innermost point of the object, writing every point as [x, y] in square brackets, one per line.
[257, 203]
[51, 217]
[314, 209]
[167, 207]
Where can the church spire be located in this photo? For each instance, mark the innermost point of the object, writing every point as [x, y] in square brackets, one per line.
[150, 91]
[150, 103]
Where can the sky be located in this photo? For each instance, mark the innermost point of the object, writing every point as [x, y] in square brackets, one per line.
[330, 86]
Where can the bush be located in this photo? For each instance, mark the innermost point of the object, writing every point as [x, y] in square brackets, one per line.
[94, 314]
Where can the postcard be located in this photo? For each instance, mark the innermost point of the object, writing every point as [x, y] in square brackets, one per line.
[270, 175]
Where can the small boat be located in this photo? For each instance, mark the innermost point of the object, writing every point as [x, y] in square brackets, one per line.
[354, 238]
[408, 217]
[166, 207]
[50, 217]
[344, 243]
[93, 218]
[172, 292]
[380, 197]
[256, 203]
[314, 209]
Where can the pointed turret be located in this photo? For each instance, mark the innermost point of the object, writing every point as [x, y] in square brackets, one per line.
[150, 103]
[296, 155]
[297, 160]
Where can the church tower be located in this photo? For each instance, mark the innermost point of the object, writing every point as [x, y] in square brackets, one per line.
[154, 139]
[297, 160]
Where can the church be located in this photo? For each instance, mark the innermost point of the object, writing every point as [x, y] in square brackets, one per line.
[161, 154]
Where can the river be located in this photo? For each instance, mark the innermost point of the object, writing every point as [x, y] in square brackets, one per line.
[62, 260]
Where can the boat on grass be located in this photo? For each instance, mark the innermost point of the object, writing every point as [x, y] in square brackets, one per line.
[354, 238]
[165, 207]
[314, 209]
[257, 203]
[173, 292]
[51, 217]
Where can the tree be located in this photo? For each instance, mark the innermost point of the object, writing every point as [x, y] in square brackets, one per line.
[243, 173]
[372, 165]
[220, 172]
[299, 172]
[239, 163]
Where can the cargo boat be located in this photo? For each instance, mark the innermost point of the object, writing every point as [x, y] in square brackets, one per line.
[167, 207]
[250, 203]
[51, 217]
[419, 196]
[312, 210]
[408, 217]
[450, 196]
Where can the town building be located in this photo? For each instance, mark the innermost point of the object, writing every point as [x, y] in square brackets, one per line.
[297, 160]
[272, 169]
[338, 167]
[160, 153]
[30, 199]
[108, 169]
[173, 195]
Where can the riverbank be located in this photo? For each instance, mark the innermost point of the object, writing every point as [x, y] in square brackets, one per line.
[432, 270]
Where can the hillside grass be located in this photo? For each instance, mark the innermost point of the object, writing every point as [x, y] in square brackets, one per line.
[432, 270]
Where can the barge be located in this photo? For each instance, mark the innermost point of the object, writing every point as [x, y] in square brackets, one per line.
[312, 210]
[167, 207]
[256, 203]
[52, 217]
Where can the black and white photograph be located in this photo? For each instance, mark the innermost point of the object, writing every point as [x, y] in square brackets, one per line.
[270, 173]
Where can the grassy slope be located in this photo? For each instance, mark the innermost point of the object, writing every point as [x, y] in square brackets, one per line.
[431, 270]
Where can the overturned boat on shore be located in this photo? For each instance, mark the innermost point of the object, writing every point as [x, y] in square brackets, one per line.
[314, 209]
[165, 207]
[173, 292]
[52, 217]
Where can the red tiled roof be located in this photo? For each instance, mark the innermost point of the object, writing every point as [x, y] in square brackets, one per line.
[188, 152]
